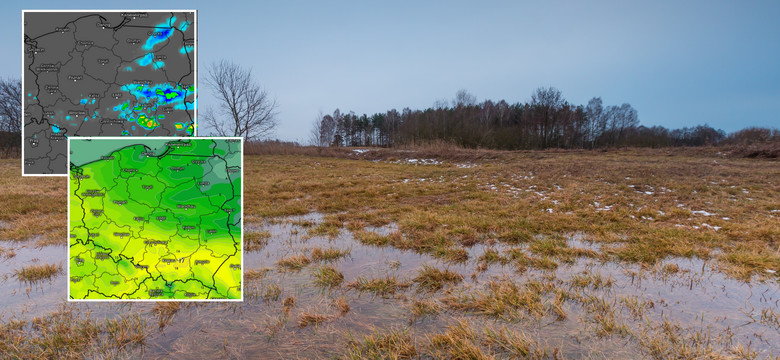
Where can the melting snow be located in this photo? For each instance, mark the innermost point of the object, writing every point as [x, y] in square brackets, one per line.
[716, 228]
[702, 212]
[418, 161]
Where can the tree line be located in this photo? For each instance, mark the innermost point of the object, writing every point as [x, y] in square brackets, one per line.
[546, 121]
[10, 117]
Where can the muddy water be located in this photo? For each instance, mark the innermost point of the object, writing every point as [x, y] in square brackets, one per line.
[697, 298]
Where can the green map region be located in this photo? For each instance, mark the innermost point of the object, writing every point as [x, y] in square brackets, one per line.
[155, 219]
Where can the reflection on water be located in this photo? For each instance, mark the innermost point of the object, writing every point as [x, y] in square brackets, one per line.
[23, 300]
[689, 293]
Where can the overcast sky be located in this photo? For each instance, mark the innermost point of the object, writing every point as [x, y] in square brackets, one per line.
[679, 63]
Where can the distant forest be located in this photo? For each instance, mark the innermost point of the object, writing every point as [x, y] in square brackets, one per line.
[546, 121]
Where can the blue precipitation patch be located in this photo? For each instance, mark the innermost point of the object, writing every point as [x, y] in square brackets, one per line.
[186, 49]
[146, 60]
[84, 101]
[162, 93]
[161, 33]
[55, 129]
[184, 25]
[67, 117]
[159, 64]
[129, 68]
[149, 98]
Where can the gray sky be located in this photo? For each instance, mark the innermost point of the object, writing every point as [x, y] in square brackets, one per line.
[679, 63]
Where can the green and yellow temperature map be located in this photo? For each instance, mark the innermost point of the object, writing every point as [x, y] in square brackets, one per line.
[155, 219]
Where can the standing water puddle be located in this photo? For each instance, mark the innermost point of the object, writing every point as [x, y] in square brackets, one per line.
[686, 292]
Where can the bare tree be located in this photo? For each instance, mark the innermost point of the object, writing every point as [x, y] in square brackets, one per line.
[464, 98]
[245, 109]
[316, 135]
[595, 115]
[10, 115]
[11, 105]
[441, 104]
[548, 101]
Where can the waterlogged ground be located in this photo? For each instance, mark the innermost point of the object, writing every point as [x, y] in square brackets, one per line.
[437, 258]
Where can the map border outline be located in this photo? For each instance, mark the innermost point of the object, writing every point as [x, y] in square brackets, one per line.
[241, 140]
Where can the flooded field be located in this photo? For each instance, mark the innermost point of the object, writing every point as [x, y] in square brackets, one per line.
[446, 267]
[585, 307]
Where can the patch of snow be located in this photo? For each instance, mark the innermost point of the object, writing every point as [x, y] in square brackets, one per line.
[550, 211]
[360, 151]
[716, 228]
[727, 219]
[702, 212]
[769, 271]
[418, 162]
[465, 165]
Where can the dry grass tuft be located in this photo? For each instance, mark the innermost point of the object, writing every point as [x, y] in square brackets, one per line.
[389, 344]
[288, 303]
[384, 286]
[341, 304]
[422, 308]
[294, 262]
[329, 254]
[37, 273]
[68, 334]
[590, 279]
[255, 274]
[256, 240]
[433, 279]
[328, 276]
[165, 311]
[503, 299]
[306, 318]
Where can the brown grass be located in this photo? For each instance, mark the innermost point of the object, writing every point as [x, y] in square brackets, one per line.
[328, 254]
[341, 304]
[69, 334]
[433, 279]
[387, 344]
[382, 286]
[38, 272]
[256, 240]
[307, 318]
[165, 311]
[508, 194]
[294, 262]
[328, 276]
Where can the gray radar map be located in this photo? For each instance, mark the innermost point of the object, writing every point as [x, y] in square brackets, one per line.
[105, 73]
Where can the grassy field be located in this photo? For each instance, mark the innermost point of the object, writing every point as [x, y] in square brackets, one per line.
[453, 254]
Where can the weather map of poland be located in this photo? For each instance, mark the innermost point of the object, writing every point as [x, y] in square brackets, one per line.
[104, 73]
[155, 218]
